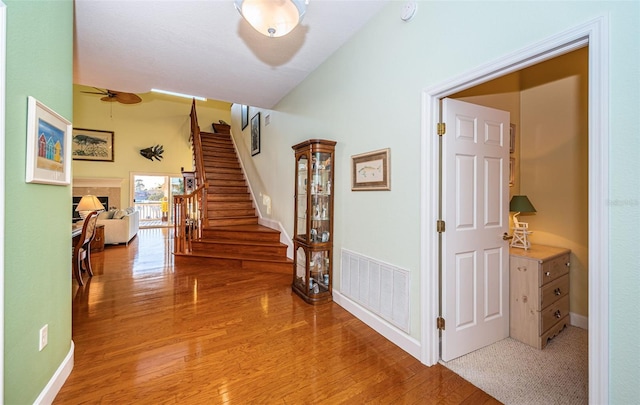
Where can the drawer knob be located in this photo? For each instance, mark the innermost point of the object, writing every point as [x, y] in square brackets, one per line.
[568, 264]
[557, 291]
[557, 314]
[548, 273]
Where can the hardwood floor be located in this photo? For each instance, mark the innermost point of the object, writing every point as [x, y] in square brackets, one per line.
[151, 329]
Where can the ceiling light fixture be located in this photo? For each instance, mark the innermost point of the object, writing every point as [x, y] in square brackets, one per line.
[172, 93]
[273, 18]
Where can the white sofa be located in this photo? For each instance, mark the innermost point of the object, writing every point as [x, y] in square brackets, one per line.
[120, 226]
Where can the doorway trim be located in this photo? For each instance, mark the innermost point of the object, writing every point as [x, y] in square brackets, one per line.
[595, 35]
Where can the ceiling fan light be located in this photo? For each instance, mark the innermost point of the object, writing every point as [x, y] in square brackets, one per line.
[273, 18]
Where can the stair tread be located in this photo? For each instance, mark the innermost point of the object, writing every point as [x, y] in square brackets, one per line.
[238, 242]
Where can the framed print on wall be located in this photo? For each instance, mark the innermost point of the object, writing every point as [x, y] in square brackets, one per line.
[371, 171]
[244, 111]
[48, 145]
[91, 144]
[255, 134]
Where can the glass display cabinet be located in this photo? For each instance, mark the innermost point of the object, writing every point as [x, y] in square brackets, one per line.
[313, 223]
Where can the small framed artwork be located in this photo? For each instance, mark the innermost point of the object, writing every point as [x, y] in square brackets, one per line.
[512, 138]
[255, 134]
[48, 145]
[244, 111]
[371, 171]
[512, 171]
[92, 144]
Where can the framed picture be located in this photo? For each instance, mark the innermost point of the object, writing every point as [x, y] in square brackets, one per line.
[244, 111]
[48, 145]
[371, 171]
[91, 144]
[512, 138]
[512, 171]
[255, 134]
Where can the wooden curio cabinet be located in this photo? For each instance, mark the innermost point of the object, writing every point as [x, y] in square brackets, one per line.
[313, 224]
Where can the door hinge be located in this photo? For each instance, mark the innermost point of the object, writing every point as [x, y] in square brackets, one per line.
[442, 128]
[440, 323]
[440, 226]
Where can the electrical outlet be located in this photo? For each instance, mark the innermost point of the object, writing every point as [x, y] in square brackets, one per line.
[44, 336]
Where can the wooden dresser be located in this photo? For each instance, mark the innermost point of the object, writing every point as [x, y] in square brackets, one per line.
[539, 291]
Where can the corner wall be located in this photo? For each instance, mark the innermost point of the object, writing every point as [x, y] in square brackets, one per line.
[37, 216]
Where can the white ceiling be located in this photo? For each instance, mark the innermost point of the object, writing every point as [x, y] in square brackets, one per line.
[205, 48]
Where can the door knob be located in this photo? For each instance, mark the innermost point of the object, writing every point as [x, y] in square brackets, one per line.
[507, 236]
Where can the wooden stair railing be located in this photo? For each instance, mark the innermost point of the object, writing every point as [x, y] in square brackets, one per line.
[190, 212]
[188, 218]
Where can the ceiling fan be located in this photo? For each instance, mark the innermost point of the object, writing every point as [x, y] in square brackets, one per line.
[119, 96]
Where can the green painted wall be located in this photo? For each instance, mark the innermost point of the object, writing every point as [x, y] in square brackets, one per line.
[367, 96]
[37, 232]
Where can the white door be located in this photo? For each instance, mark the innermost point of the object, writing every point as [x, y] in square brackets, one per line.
[475, 208]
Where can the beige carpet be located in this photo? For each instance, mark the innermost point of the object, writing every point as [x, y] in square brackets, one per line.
[515, 373]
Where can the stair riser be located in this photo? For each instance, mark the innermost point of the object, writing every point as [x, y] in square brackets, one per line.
[218, 147]
[220, 198]
[222, 235]
[222, 213]
[212, 176]
[215, 171]
[230, 205]
[221, 157]
[270, 267]
[218, 160]
[255, 251]
[210, 136]
[212, 262]
[209, 262]
[228, 190]
[209, 165]
[226, 183]
[230, 221]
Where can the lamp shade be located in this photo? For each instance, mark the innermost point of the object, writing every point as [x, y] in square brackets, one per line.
[520, 203]
[273, 18]
[89, 203]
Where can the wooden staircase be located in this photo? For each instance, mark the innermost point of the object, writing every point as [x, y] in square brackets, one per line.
[232, 235]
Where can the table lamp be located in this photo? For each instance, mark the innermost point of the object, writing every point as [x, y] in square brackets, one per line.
[521, 232]
[87, 204]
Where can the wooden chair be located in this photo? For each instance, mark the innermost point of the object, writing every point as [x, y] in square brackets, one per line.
[82, 249]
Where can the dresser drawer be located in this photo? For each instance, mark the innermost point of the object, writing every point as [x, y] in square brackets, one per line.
[553, 291]
[552, 269]
[550, 315]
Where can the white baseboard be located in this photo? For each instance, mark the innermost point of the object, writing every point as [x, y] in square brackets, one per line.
[284, 237]
[395, 335]
[58, 379]
[579, 321]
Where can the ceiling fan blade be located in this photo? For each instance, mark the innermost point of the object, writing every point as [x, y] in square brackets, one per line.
[107, 98]
[126, 98]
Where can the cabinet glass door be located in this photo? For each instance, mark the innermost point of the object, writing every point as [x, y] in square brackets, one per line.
[301, 197]
[319, 272]
[320, 197]
[301, 268]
